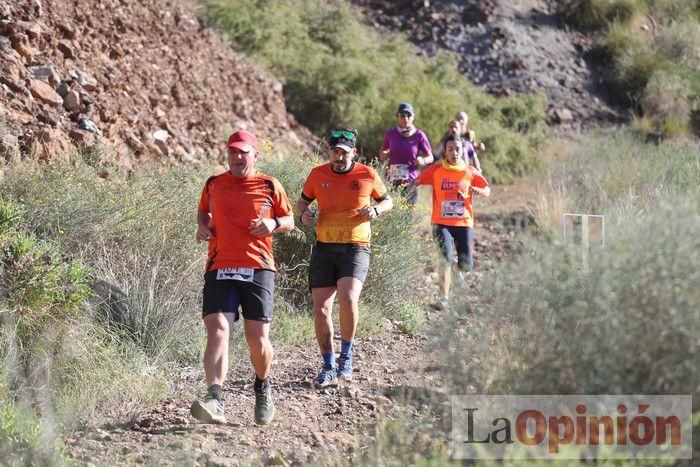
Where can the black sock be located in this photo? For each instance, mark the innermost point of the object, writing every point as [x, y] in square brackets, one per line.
[215, 391]
[261, 384]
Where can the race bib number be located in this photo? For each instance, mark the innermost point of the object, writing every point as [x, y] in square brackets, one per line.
[235, 274]
[398, 171]
[452, 209]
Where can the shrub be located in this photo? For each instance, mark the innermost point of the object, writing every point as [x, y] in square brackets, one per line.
[597, 14]
[625, 324]
[667, 97]
[678, 41]
[360, 82]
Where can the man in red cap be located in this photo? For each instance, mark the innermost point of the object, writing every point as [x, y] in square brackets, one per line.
[239, 210]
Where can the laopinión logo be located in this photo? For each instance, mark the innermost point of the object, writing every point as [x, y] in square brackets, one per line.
[572, 427]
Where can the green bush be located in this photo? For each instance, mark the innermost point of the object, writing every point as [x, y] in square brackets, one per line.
[667, 97]
[597, 14]
[627, 323]
[655, 65]
[359, 82]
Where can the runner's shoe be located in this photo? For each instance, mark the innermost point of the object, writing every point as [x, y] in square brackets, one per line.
[327, 377]
[264, 407]
[440, 305]
[344, 368]
[209, 410]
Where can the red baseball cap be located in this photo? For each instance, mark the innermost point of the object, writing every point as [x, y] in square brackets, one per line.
[243, 140]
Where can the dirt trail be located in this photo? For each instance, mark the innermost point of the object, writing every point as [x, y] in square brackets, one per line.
[309, 423]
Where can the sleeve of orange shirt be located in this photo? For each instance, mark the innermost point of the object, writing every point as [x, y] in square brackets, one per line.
[478, 180]
[280, 202]
[204, 199]
[307, 192]
[378, 188]
[426, 177]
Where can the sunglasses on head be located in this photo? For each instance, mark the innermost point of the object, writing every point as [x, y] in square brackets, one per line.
[404, 114]
[343, 133]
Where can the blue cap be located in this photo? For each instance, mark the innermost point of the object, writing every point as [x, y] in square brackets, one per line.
[405, 107]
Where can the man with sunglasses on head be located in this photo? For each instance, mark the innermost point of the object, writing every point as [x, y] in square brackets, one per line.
[339, 261]
[408, 151]
[238, 213]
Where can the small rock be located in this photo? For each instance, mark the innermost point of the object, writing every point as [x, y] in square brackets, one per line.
[67, 30]
[44, 92]
[90, 126]
[86, 81]
[66, 49]
[71, 101]
[563, 115]
[32, 30]
[161, 138]
[5, 45]
[63, 89]
[9, 147]
[45, 73]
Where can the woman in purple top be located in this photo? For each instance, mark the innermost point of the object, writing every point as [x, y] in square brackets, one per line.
[407, 149]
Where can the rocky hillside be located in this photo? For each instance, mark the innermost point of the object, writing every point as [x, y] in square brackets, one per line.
[144, 78]
[507, 47]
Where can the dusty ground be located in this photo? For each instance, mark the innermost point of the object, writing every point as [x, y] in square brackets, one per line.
[391, 369]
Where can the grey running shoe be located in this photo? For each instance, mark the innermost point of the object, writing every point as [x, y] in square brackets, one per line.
[264, 407]
[440, 304]
[209, 410]
[327, 377]
[344, 370]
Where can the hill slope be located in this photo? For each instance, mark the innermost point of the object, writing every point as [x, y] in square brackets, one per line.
[505, 48]
[126, 69]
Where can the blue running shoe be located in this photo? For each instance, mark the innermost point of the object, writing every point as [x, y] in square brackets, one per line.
[345, 368]
[327, 377]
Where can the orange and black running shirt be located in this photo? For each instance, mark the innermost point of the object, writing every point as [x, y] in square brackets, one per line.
[234, 203]
[340, 198]
[452, 198]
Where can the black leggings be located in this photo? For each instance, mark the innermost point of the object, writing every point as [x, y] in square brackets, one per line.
[463, 239]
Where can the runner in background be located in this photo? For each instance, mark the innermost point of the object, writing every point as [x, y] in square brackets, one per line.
[408, 150]
[454, 131]
[467, 133]
[453, 182]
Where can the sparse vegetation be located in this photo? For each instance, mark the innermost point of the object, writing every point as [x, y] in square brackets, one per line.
[625, 324]
[652, 47]
[352, 75]
[101, 285]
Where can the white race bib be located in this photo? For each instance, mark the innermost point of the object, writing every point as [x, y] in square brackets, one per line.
[235, 274]
[452, 209]
[398, 172]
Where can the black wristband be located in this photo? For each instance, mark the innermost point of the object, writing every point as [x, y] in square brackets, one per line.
[376, 211]
[278, 224]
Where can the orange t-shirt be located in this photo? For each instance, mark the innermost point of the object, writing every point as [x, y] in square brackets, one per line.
[340, 197]
[452, 199]
[233, 203]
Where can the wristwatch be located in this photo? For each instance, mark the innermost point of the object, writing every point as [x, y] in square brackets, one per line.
[376, 211]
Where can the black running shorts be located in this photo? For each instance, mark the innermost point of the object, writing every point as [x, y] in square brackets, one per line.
[225, 295]
[331, 261]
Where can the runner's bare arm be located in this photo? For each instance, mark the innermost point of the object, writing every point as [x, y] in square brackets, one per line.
[427, 159]
[263, 227]
[307, 215]
[482, 191]
[384, 154]
[372, 212]
[204, 232]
